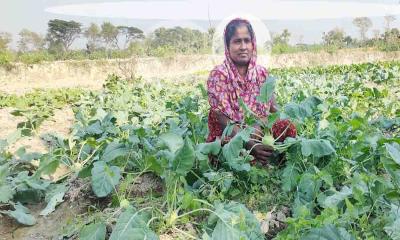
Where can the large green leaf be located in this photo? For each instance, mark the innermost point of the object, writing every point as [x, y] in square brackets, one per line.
[394, 151]
[308, 187]
[22, 215]
[94, 129]
[155, 164]
[184, 159]
[7, 193]
[104, 178]
[24, 180]
[204, 150]
[12, 138]
[51, 205]
[267, 90]
[224, 231]
[232, 149]
[296, 111]
[48, 165]
[306, 194]
[392, 168]
[393, 227]
[328, 232]
[311, 103]
[114, 150]
[132, 225]
[94, 231]
[30, 156]
[316, 147]
[290, 177]
[233, 221]
[210, 148]
[4, 171]
[303, 110]
[139, 234]
[335, 199]
[54, 196]
[172, 140]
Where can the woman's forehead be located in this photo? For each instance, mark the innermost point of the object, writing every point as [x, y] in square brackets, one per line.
[242, 32]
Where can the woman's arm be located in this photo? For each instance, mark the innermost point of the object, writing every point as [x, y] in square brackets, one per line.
[223, 122]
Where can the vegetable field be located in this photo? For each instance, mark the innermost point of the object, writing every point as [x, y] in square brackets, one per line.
[137, 157]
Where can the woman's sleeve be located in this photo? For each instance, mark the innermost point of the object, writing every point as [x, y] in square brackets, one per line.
[218, 94]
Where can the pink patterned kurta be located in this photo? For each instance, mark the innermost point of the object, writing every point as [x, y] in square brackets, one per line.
[225, 86]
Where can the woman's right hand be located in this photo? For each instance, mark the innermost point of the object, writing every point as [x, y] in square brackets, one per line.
[260, 152]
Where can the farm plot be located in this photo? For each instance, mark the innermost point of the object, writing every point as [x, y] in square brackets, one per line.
[136, 155]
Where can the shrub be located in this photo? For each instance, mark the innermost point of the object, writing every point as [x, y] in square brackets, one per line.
[35, 57]
[6, 58]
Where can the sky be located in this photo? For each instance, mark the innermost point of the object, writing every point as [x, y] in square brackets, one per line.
[306, 20]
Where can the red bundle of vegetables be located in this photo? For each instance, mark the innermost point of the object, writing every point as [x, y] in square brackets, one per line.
[282, 129]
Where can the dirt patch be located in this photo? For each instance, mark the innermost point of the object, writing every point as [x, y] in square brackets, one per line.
[92, 73]
[147, 183]
[51, 226]
[8, 122]
[60, 123]
[274, 222]
[47, 227]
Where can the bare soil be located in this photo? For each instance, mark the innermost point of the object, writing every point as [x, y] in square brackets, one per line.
[60, 123]
[50, 227]
[47, 227]
[22, 78]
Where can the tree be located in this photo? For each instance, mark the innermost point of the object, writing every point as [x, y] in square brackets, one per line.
[178, 39]
[391, 35]
[93, 34]
[210, 36]
[348, 40]
[282, 38]
[30, 41]
[388, 21]
[334, 37]
[5, 39]
[128, 34]
[63, 33]
[363, 23]
[109, 34]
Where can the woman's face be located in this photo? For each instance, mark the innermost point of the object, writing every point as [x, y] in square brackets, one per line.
[241, 47]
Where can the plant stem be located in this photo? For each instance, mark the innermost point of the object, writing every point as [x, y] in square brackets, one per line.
[194, 211]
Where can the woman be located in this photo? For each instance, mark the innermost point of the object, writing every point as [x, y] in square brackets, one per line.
[238, 76]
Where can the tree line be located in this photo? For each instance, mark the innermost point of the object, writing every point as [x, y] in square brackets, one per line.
[387, 40]
[109, 40]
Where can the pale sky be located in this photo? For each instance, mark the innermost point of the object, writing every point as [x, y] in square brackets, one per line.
[217, 10]
[306, 20]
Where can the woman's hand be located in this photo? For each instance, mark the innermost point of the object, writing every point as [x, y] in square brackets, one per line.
[261, 152]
